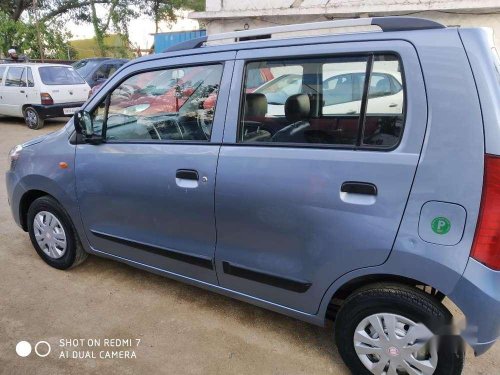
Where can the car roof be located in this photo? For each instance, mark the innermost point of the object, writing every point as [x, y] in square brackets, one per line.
[393, 27]
[33, 65]
[103, 59]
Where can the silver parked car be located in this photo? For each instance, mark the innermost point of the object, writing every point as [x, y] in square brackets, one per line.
[363, 187]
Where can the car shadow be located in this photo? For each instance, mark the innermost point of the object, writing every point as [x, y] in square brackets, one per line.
[210, 303]
[52, 124]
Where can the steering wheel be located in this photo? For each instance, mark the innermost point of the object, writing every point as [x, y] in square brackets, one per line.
[204, 119]
[156, 126]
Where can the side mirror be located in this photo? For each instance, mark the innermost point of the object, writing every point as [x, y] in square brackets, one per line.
[84, 126]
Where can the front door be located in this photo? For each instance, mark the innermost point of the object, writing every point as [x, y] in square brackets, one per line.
[146, 193]
[313, 178]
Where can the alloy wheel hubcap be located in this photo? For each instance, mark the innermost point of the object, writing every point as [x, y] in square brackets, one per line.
[390, 344]
[49, 234]
[31, 117]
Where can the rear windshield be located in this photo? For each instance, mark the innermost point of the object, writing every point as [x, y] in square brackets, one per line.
[59, 75]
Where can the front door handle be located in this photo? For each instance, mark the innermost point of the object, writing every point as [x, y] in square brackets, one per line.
[187, 174]
[22, 91]
[187, 178]
[364, 188]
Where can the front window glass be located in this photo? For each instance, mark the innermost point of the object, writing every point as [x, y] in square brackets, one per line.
[59, 75]
[174, 104]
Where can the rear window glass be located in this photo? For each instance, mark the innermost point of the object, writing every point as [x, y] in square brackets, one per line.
[2, 72]
[15, 77]
[339, 100]
[59, 75]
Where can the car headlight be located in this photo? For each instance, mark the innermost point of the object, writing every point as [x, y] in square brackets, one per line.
[14, 154]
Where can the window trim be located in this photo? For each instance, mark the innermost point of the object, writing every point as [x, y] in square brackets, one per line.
[107, 99]
[354, 147]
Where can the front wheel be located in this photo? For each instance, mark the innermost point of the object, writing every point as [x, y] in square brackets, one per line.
[390, 329]
[33, 119]
[53, 235]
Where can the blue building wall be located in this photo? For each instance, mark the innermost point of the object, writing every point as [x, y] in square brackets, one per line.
[166, 40]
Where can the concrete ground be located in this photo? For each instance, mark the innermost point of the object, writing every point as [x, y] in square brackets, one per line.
[182, 329]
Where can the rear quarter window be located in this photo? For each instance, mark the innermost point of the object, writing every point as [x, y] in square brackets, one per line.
[59, 75]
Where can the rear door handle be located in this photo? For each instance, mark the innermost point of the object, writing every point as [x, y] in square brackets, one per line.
[358, 193]
[393, 105]
[187, 174]
[22, 91]
[364, 188]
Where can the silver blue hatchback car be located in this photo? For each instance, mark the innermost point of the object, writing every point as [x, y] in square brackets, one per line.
[358, 180]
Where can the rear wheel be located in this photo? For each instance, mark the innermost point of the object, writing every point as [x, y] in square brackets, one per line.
[32, 118]
[390, 329]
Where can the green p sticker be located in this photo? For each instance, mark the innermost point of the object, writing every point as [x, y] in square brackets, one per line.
[440, 225]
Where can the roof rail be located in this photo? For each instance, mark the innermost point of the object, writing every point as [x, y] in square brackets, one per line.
[385, 23]
[188, 44]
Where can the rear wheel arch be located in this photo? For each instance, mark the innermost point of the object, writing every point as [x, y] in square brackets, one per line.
[352, 285]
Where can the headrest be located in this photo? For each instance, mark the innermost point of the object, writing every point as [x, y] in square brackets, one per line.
[297, 107]
[255, 105]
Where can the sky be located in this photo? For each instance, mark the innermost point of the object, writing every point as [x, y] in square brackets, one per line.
[140, 29]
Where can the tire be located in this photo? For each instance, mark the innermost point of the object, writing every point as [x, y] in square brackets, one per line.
[402, 302]
[32, 118]
[73, 253]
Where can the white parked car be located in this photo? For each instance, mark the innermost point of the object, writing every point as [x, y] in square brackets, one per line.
[40, 91]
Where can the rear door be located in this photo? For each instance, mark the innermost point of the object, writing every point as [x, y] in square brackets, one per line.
[307, 196]
[14, 90]
[3, 69]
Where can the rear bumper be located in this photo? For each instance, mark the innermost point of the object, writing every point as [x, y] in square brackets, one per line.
[55, 110]
[477, 294]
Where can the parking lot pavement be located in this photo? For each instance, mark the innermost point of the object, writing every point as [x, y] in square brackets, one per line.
[182, 329]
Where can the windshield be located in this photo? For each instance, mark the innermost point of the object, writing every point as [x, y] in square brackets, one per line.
[85, 67]
[59, 75]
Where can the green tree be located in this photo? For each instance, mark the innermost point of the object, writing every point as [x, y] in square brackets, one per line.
[23, 35]
[164, 10]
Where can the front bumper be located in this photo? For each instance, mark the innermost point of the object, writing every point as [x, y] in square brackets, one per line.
[13, 194]
[55, 110]
[477, 294]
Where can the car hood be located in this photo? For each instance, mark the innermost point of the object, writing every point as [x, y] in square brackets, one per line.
[36, 140]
